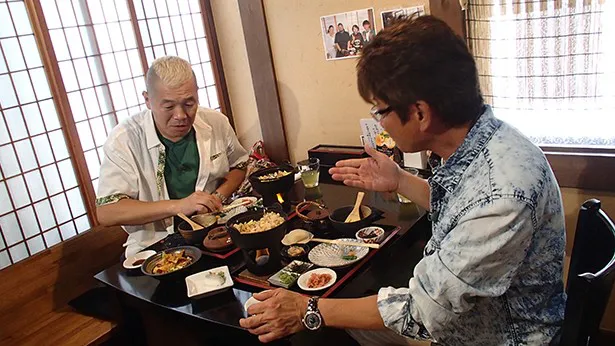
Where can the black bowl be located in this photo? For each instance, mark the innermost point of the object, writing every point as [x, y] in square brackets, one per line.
[338, 216]
[179, 274]
[272, 187]
[196, 237]
[287, 256]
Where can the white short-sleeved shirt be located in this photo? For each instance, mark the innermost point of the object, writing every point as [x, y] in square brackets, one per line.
[133, 166]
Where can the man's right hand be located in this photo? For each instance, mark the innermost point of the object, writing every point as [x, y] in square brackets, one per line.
[198, 202]
[134, 212]
[376, 173]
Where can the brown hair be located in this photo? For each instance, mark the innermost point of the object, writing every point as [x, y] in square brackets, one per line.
[421, 58]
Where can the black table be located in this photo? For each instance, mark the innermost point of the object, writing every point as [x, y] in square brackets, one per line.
[223, 311]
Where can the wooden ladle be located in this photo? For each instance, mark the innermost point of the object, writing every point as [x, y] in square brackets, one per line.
[195, 226]
[355, 215]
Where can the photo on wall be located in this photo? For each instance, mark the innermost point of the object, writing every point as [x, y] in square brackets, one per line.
[345, 34]
[387, 16]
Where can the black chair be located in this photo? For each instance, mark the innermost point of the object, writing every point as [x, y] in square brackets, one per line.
[591, 275]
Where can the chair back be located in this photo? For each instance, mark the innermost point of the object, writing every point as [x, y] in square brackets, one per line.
[591, 275]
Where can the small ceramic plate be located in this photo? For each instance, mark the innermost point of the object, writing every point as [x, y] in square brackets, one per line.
[333, 255]
[251, 301]
[223, 218]
[370, 235]
[249, 200]
[208, 282]
[135, 261]
[288, 275]
[305, 277]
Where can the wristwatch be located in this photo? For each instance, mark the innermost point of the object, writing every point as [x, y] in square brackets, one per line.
[220, 196]
[312, 319]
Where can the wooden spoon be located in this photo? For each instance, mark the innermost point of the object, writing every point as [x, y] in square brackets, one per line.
[195, 226]
[355, 215]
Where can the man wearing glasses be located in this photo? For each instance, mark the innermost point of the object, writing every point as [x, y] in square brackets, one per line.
[492, 271]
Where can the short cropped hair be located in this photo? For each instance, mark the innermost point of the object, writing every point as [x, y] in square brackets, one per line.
[421, 58]
[172, 71]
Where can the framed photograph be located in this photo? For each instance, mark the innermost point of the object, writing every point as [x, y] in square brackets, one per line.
[345, 34]
[408, 11]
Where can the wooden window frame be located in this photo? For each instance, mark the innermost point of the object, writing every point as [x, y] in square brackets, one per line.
[51, 193]
[59, 94]
[581, 167]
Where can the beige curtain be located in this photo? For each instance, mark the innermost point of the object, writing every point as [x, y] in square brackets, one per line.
[547, 67]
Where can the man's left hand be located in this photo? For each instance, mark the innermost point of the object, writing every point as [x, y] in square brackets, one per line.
[278, 314]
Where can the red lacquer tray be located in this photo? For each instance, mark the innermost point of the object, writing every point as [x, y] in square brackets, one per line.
[343, 274]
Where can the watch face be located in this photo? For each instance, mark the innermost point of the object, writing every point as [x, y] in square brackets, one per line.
[312, 321]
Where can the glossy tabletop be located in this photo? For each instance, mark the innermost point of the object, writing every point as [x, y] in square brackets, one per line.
[226, 308]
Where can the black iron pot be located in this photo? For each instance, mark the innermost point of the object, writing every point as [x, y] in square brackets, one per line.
[251, 243]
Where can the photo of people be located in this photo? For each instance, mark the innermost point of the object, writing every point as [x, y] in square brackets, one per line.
[408, 11]
[345, 34]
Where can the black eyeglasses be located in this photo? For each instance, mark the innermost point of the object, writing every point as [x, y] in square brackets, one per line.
[379, 114]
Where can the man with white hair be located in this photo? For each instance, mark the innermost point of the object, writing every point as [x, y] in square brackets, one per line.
[175, 157]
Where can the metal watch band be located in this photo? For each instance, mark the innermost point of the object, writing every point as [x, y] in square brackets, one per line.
[313, 320]
[220, 196]
[313, 304]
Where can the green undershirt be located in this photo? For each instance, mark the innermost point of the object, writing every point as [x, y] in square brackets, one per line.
[181, 167]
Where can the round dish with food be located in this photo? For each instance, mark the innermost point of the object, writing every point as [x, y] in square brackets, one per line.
[317, 279]
[334, 255]
[171, 263]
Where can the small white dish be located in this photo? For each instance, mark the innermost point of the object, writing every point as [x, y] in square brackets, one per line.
[249, 201]
[223, 218]
[208, 282]
[139, 258]
[303, 279]
[251, 301]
